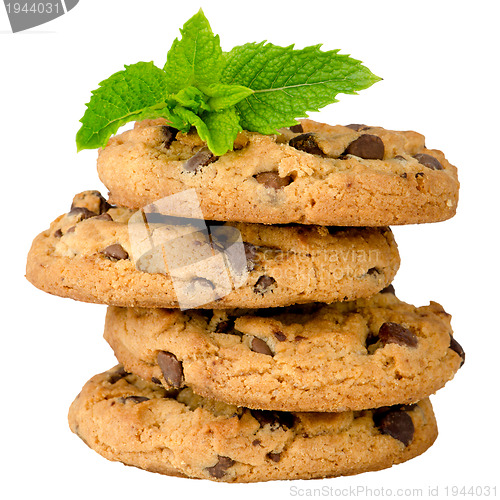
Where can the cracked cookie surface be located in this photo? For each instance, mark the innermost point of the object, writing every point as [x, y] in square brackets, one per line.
[87, 255]
[127, 419]
[318, 174]
[344, 356]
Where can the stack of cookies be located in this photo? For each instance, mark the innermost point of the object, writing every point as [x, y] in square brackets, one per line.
[264, 341]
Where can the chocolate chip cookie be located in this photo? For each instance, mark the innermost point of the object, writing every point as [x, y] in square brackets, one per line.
[315, 357]
[353, 175]
[139, 423]
[97, 253]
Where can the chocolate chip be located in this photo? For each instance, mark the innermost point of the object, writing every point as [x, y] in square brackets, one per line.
[400, 158]
[256, 442]
[156, 381]
[370, 340]
[115, 252]
[297, 129]
[264, 283]
[258, 345]
[395, 423]
[404, 175]
[225, 326]
[275, 457]
[250, 254]
[58, 233]
[169, 134]
[171, 368]
[219, 469]
[367, 146]
[357, 126]
[307, 143]
[89, 197]
[104, 206]
[273, 180]
[373, 271]
[280, 335]
[419, 174]
[428, 161]
[134, 399]
[103, 217]
[70, 230]
[201, 159]
[389, 289]
[171, 393]
[455, 346]
[275, 419]
[118, 375]
[394, 333]
[83, 212]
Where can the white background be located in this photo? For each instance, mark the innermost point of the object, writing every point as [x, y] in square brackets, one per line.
[439, 61]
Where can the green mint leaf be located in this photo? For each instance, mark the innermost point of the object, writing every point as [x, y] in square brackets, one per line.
[196, 59]
[261, 87]
[192, 98]
[217, 129]
[224, 96]
[138, 92]
[164, 112]
[182, 118]
[288, 83]
[223, 127]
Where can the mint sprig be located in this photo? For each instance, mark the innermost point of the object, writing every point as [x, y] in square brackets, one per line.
[257, 86]
[287, 83]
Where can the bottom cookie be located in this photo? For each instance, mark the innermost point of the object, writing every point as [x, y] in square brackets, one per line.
[126, 419]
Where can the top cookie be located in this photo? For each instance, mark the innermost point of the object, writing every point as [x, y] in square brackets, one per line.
[314, 173]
